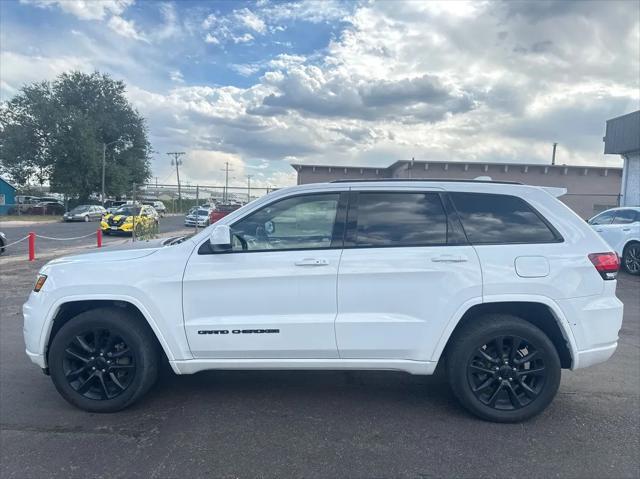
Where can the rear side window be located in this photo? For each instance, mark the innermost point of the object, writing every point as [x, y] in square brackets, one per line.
[500, 219]
[625, 217]
[400, 219]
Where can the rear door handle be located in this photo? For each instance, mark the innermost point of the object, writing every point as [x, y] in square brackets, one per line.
[312, 262]
[449, 258]
[626, 229]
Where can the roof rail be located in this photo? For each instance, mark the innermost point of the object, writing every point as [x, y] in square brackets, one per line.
[435, 180]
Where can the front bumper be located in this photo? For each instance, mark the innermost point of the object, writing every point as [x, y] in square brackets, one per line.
[123, 228]
[193, 223]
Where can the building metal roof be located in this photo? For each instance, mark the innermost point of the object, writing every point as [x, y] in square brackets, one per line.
[623, 134]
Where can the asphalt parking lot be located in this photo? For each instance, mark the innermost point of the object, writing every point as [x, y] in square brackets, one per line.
[313, 424]
[60, 229]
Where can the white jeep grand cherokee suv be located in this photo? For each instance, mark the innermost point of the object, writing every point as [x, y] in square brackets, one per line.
[501, 283]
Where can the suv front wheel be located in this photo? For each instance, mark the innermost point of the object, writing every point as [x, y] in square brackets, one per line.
[503, 369]
[103, 360]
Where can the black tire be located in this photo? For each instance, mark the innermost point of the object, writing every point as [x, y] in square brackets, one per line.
[508, 393]
[113, 380]
[631, 259]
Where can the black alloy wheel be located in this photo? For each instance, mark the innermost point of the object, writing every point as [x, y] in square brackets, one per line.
[507, 373]
[502, 368]
[98, 364]
[631, 258]
[104, 359]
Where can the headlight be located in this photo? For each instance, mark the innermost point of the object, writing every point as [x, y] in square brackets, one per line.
[40, 279]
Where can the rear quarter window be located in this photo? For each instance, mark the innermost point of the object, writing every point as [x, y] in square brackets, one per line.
[501, 219]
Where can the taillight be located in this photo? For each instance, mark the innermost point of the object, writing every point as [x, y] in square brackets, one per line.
[607, 264]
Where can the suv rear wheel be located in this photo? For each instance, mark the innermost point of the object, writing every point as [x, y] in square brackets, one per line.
[103, 360]
[503, 369]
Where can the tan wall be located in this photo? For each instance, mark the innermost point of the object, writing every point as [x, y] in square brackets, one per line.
[589, 190]
[321, 174]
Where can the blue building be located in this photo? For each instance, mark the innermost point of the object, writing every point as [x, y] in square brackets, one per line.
[7, 196]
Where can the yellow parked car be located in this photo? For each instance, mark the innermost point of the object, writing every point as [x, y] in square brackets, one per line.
[124, 218]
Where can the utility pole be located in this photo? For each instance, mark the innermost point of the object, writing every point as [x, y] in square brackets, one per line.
[104, 161]
[177, 162]
[225, 196]
[197, 205]
[133, 197]
[249, 188]
[553, 155]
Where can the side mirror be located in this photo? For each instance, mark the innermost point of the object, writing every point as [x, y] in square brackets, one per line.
[220, 236]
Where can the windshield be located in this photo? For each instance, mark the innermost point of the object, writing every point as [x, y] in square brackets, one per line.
[128, 211]
[80, 209]
[203, 213]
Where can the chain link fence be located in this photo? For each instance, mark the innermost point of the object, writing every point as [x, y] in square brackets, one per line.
[181, 200]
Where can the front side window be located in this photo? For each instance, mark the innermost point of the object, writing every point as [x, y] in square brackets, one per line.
[625, 217]
[400, 219]
[501, 219]
[603, 218]
[302, 222]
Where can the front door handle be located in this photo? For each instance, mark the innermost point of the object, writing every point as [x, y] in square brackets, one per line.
[312, 262]
[449, 258]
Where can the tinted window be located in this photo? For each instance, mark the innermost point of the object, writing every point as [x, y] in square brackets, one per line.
[400, 219]
[302, 222]
[625, 216]
[488, 218]
[603, 218]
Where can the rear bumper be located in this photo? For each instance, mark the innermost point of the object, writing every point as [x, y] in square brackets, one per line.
[595, 323]
[593, 356]
[37, 359]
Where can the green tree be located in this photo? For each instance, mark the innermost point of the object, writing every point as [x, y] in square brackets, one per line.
[55, 132]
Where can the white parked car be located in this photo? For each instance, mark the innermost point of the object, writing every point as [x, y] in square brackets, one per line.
[620, 228]
[197, 216]
[501, 283]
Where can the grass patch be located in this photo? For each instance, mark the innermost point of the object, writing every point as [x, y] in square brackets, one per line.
[30, 218]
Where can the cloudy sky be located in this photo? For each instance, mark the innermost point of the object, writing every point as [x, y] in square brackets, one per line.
[267, 83]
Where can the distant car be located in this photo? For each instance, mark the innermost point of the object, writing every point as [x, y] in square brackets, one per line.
[46, 208]
[85, 213]
[620, 227]
[123, 220]
[113, 206]
[3, 241]
[222, 210]
[199, 216]
[160, 207]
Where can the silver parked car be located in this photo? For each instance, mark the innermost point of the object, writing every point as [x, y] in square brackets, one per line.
[85, 213]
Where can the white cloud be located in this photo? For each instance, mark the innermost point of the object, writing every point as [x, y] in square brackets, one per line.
[211, 39]
[485, 81]
[19, 69]
[250, 20]
[176, 76]
[85, 9]
[126, 28]
[245, 38]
